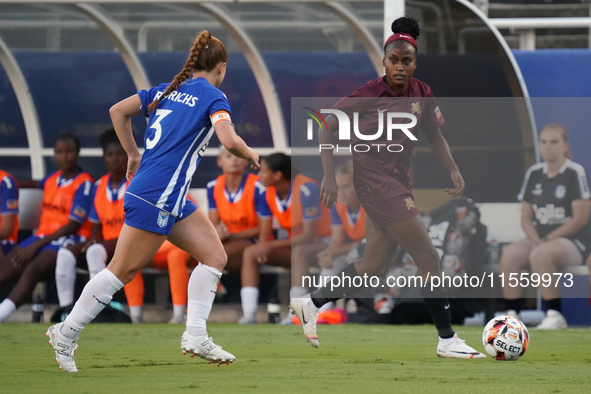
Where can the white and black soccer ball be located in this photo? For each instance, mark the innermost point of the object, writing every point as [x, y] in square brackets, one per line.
[505, 338]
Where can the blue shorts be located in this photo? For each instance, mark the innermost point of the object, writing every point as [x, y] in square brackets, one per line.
[55, 245]
[145, 216]
[6, 246]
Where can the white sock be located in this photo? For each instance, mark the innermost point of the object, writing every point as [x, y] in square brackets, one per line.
[249, 297]
[202, 287]
[6, 309]
[65, 276]
[297, 292]
[135, 313]
[178, 310]
[96, 258]
[97, 294]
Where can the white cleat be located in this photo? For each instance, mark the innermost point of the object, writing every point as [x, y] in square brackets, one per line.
[307, 312]
[204, 347]
[553, 321]
[64, 348]
[456, 348]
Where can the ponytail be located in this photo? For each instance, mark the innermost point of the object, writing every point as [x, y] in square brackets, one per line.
[206, 53]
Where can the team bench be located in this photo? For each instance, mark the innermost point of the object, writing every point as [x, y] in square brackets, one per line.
[503, 221]
[30, 202]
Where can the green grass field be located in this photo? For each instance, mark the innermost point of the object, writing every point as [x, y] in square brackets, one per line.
[352, 358]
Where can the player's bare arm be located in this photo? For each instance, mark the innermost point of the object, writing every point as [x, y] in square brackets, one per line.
[121, 114]
[236, 145]
[440, 149]
[527, 216]
[24, 255]
[7, 225]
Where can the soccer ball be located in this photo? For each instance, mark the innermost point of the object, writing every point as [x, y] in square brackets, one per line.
[505, 338]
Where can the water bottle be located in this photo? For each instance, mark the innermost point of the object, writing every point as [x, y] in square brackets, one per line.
[494, 252]
[37, 307]
[274, 309]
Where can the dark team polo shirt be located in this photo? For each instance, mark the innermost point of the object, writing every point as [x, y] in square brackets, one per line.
[551, 198]
[380, 173]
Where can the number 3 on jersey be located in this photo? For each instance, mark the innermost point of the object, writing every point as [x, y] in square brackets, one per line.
[160, 114]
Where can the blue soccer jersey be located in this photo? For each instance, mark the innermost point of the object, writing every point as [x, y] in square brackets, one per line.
[178, 133]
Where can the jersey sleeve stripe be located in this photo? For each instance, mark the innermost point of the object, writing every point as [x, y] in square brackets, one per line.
[582, 178]
[525, 179]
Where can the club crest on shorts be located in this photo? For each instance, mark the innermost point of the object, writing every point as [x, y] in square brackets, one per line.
[560, 191]
[409, 203]
[162, 218]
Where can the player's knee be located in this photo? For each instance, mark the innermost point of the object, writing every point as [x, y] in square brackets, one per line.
[428, 271]
[34, 271]
[428, 260]
[222, 260]
[539, 256]
[217, 260]
[380, 270]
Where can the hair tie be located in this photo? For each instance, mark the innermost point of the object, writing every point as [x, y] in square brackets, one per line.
[401, 36]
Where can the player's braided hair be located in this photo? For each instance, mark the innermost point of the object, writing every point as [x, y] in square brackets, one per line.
[206, 53]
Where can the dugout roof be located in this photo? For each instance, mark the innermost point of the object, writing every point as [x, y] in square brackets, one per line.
[281, 44]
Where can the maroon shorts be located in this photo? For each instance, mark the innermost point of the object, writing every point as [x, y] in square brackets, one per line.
[390, 210]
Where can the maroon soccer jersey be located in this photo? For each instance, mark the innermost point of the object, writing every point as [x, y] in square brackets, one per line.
[383, 171]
